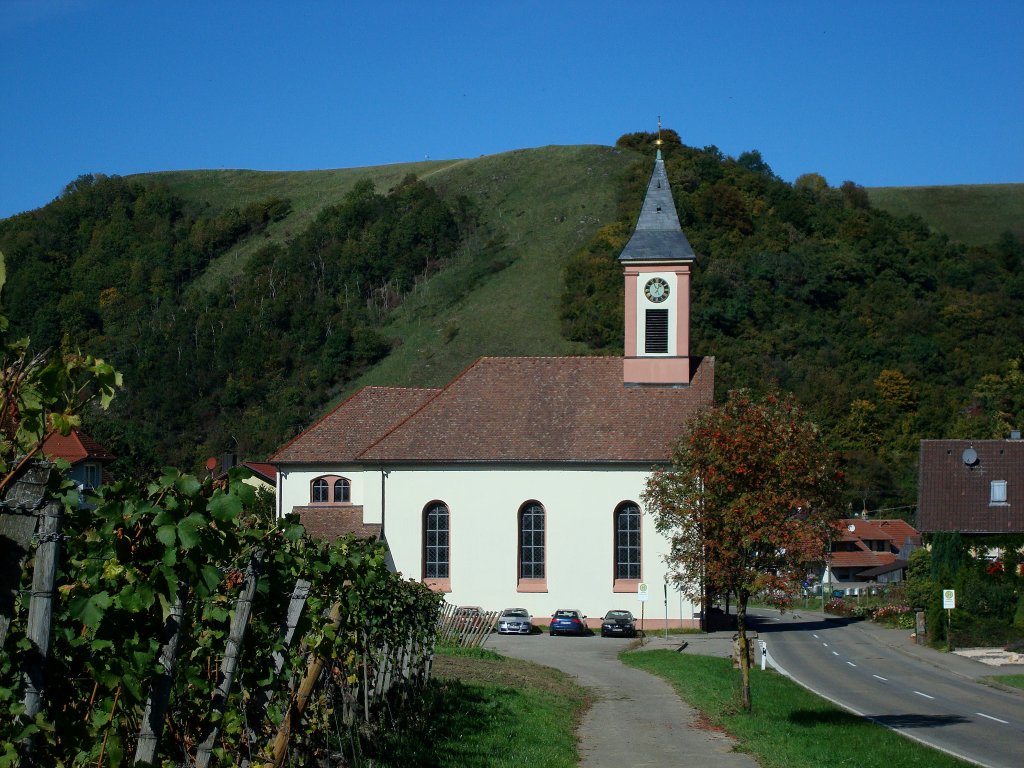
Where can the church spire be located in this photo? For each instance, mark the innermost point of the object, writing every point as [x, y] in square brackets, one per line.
[656, 262]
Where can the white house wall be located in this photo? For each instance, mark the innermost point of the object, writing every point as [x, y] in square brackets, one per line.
[484, 506]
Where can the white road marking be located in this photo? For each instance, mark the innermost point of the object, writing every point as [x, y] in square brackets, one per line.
[834, 653]
[814, 636]
[825, 644]
[924, 694]
[1004, 722]
[851, 664]
[884, 679]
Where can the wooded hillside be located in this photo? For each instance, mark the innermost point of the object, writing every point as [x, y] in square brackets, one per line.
[239, 305]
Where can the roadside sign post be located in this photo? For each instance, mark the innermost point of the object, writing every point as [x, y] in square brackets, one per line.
[949, 603]
[642, 595]
[666, 609]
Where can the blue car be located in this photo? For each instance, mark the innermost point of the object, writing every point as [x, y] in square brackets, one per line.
[568, 622]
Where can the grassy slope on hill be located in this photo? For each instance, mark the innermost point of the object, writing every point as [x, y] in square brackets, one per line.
[974, 214]
[544, 203]
[309, 192]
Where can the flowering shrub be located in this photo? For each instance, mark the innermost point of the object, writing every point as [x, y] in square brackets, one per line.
[838, 606]
[899, 615]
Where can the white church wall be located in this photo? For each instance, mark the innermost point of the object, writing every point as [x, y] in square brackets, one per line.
[484, 509]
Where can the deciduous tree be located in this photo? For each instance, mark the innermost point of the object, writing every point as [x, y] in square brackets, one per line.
[747, 503]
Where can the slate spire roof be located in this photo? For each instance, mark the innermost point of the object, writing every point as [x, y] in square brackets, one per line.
[658, 235]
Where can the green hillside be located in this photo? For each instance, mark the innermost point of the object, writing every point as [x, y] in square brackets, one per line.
[542, 203]
[975, 214]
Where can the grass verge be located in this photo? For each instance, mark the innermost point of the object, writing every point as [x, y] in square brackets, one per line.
[789, 727]
[1015, 681]
[483, 709]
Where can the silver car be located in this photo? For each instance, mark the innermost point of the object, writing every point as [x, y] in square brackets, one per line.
[515, 621]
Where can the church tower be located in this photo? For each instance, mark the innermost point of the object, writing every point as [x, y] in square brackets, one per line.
[657, 262]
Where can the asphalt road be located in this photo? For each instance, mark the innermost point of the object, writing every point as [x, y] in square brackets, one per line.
[637, 719]
[931, 697]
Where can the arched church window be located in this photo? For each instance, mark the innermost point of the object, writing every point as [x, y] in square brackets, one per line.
[531, 541]
[319, 493]
[436, 541]
[342, 490]
[627, 541]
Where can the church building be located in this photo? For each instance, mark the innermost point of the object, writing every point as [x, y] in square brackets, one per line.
[519, 483]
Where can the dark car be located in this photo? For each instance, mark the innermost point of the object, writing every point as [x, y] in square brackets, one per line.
[568, 622]
[515, 621]
[618, 624]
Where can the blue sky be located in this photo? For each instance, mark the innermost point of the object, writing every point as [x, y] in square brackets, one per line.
[882, 93]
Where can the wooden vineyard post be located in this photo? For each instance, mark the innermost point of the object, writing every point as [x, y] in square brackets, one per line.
[279, 747]
[160, 693]
[243, 609]
[18, 512]
[40, 611]
[262, 698]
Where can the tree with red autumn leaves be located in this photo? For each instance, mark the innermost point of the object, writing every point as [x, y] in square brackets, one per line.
[747, 503]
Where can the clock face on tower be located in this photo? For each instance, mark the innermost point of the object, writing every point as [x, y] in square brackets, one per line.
[656, 290]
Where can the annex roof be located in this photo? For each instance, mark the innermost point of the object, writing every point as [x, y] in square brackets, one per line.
[955, 486]
[353, 425]
[74, 447]
[516, 410]
[262, 470]
[658, 235]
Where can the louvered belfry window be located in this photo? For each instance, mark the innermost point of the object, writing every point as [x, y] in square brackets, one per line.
[435, 541]
[656, 332]
[627, 541]
[531, 541]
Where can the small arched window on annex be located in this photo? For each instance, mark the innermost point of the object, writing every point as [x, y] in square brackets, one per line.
[626, 522]
[330, 489]
[532, 552]
[437, 546]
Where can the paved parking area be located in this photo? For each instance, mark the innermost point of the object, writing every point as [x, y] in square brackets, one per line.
[637, 719]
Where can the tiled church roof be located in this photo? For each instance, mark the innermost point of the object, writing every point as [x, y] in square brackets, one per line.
[355, 424]
[512, 409]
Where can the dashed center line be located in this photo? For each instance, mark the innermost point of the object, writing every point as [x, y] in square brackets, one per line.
[883, 679]
[834, 653]
[1004, 722]
[924, 694]
[825, 644]
[851, 664]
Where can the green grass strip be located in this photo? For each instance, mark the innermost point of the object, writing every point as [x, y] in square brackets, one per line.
[488, 711]
[789, 727]
[1016, 681]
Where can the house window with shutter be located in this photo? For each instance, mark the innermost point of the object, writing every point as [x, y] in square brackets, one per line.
[997, 493]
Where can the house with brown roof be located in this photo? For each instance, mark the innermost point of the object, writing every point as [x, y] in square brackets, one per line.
[866, 553]
[975, 487]
[88, 459]
[520, 481]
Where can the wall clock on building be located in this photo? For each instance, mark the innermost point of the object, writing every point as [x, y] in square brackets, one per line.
[656, 290]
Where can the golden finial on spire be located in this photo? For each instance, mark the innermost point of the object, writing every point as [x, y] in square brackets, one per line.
[658, 142]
